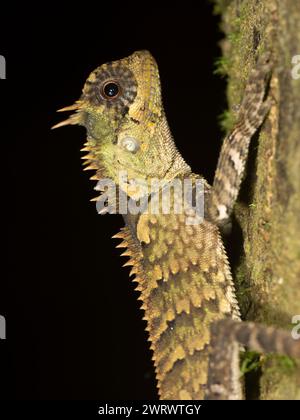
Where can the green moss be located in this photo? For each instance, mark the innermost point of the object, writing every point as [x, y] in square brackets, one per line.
[219, 6]
[282, 363]
[250, 362]
[234, 37]
[280, 378]
[243, 287]
[221, 66]
[226, 121]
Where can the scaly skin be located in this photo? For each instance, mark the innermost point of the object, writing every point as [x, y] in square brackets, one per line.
[181, 269]
[185, 285]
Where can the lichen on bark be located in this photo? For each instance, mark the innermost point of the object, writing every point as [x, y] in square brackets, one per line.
[268, 211]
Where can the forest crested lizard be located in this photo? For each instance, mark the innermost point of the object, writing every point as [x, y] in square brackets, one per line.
[181, 269]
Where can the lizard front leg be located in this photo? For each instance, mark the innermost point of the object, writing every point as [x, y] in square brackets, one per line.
[234, 152]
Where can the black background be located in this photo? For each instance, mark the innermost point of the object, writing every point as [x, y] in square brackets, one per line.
[74, 327]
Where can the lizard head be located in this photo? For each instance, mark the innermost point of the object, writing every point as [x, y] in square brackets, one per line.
[121, 108]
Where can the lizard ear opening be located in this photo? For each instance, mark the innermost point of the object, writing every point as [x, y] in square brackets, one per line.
[131, 144]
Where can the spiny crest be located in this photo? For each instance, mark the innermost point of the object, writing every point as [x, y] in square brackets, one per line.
[132, 250]
[134, 253]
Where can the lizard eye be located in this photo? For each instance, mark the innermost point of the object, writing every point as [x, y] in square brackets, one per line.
[111, 90]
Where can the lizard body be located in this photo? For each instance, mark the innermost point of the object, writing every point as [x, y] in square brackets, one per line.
[185, 286]
[181, 269]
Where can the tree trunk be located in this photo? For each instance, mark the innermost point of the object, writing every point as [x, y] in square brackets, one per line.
[268, 212]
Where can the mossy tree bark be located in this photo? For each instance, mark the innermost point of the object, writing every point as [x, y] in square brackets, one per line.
[268, 212]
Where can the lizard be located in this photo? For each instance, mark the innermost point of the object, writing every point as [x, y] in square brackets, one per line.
[181, 269]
